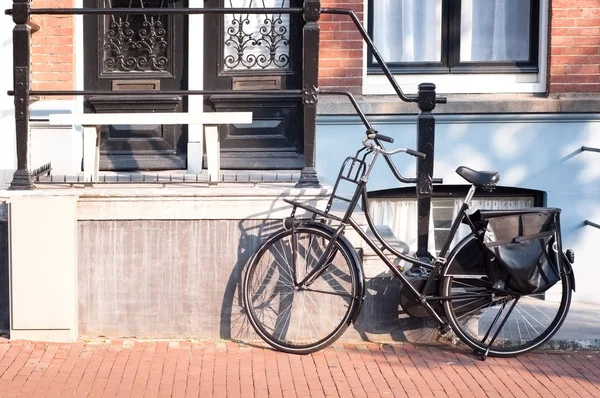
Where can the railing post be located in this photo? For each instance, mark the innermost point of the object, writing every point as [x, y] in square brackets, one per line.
[425, 144]
[22, 83]
[310, 82]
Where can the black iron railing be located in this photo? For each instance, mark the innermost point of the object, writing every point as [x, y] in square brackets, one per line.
[426, 100]
[21, 13]
[311, 11]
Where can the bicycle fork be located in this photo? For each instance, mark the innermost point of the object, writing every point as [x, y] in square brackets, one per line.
[322, 262]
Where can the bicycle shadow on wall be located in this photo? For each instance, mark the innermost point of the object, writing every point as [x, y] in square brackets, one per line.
[381, 317]
[253, 230]
[280, 308]
[289, 310]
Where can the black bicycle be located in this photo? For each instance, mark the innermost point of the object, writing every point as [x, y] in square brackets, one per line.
[504, 290]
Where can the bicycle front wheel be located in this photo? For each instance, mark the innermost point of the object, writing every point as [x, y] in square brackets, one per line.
[506, 324]
[302, 319]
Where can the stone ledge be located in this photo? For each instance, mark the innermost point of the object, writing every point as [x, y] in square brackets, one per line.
[228, 201]
[466, 104]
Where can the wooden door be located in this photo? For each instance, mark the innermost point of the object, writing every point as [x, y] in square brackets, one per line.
[256, 52]
[137, 52]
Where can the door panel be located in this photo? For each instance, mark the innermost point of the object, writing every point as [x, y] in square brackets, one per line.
[256, 52]
[137, 52]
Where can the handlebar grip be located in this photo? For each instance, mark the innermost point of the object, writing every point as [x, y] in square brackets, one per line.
[416, 153]
[440, 99]
[383, 138]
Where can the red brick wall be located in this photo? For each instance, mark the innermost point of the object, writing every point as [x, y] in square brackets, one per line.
[341, 48]
[53, 62]
[575, 46]
[574, 61]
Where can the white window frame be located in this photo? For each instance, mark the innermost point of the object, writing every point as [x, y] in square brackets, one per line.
[472, 83]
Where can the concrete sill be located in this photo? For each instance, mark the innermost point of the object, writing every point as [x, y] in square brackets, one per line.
[467, 104]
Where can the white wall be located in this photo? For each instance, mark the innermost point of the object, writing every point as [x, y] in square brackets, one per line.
[8, 160]
[540, 153]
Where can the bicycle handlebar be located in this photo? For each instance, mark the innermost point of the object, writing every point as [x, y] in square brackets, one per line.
[379, 149]
[384, 138]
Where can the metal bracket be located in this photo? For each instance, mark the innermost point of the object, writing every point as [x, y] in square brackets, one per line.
[310, 95]
[426, 185]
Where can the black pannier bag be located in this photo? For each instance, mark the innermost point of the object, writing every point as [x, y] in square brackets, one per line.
[521, 247]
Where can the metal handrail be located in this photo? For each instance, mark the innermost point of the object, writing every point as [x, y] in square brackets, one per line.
[162, 11]
[376, 54]
[591, 224]
[270, 93]
[589, 149]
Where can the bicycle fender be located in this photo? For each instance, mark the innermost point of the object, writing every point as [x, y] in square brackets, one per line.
[466, 258]
[359, 269]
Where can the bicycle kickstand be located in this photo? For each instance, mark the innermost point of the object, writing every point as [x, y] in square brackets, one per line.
[483, 354]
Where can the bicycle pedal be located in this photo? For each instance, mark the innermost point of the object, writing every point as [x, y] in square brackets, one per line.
[445, 329]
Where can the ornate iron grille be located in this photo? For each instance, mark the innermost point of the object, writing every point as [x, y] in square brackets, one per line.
[256, 42]
[136, 43]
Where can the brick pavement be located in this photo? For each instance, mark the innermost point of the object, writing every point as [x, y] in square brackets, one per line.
[207, 368]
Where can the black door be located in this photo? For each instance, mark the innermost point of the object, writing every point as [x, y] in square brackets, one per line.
[256, 52]
[137, 52]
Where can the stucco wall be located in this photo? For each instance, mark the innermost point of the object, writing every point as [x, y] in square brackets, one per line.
[541, 152]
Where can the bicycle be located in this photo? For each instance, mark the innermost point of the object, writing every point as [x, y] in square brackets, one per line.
[305, 284]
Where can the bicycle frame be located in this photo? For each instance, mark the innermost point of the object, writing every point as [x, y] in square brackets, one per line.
[358, 173]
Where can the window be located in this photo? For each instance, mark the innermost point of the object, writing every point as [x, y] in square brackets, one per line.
[455, 36]
[397, 209]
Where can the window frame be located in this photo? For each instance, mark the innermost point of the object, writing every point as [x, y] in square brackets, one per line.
[450, 55]
[460, 191]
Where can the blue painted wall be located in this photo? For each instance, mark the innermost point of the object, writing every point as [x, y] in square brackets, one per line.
[540, 152]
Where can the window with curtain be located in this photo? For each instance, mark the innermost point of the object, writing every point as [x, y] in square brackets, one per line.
[455, 36]
[400, 214]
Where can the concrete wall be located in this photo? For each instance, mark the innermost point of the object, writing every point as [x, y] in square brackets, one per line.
[182, 278]
[168, 262]
[165, 278]
[539, 152]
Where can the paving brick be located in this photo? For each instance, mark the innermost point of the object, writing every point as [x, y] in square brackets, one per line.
[191, 369]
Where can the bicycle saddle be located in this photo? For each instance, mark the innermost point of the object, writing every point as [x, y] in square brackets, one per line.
[478, 177]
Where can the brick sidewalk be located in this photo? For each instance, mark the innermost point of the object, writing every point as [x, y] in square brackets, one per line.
[208, 368]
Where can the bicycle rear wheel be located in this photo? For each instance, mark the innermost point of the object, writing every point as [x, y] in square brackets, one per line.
[519, 323]
[302, 320]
